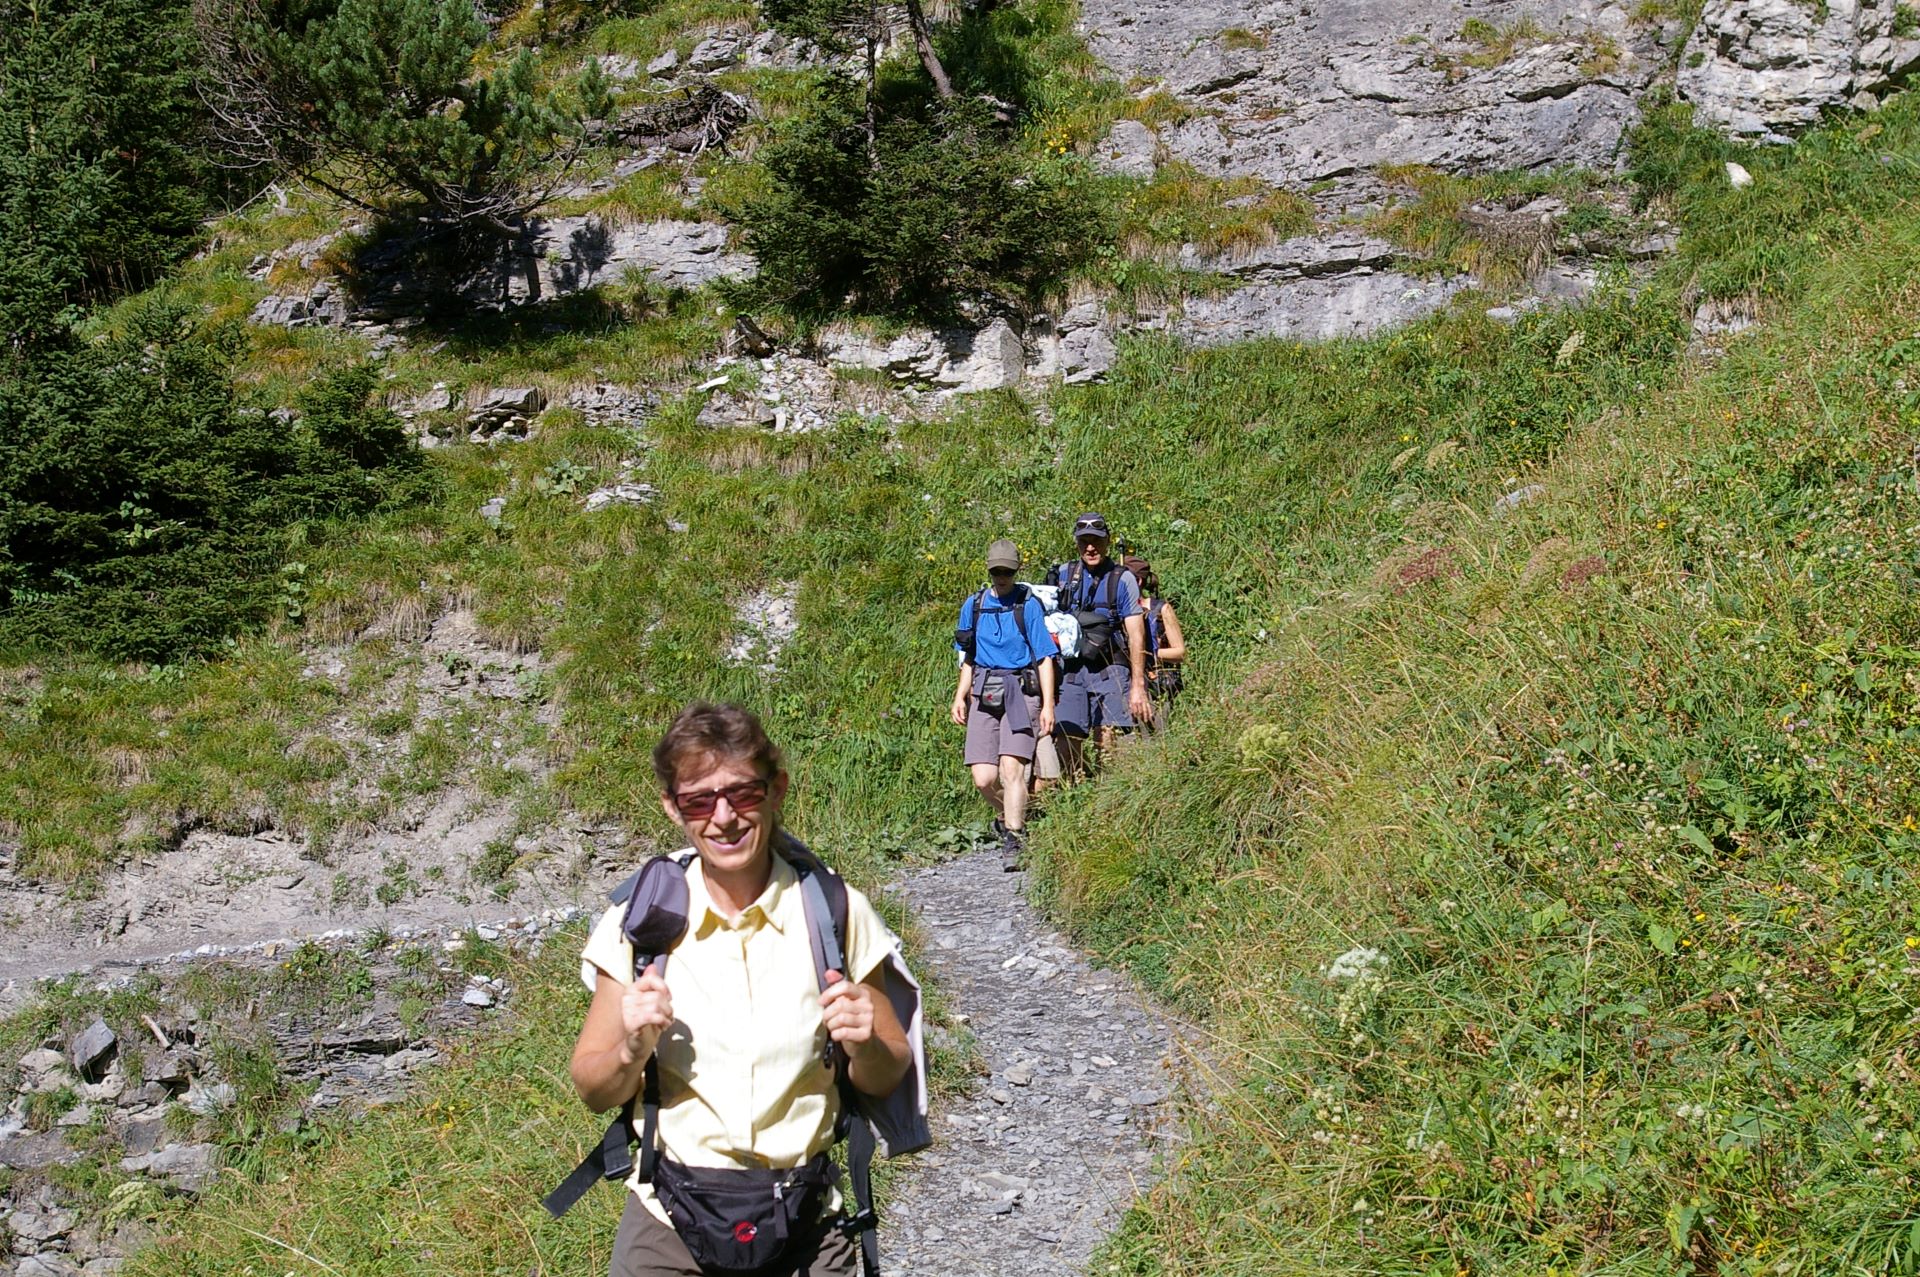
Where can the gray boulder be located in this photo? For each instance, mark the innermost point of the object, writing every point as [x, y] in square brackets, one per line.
[963, 361]
[567, 255]
[1128, 150]
[190, 1166]
[1315, 309]
[1087, 351]
[666, 64]
[1767, 68]
[991, 359]
[44, 1071]
[715, 53]
[90, 1050]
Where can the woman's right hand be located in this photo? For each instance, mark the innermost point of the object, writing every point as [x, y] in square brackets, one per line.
[646, 1009]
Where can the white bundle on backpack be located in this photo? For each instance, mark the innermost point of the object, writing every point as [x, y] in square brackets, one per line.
[1049, 595]
[1066, 632]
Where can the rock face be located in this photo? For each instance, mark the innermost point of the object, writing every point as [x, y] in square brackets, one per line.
[1766, 68]
[1304, 93]
[568, 254]
[550, 260]
[1314, 309]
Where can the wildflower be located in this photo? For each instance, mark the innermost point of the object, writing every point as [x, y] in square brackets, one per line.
[1659, 523]
[1913, 942]
[1358, 964]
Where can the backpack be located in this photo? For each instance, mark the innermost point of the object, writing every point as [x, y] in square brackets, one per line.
[966, 638]
[1103, 637]
[656, 897]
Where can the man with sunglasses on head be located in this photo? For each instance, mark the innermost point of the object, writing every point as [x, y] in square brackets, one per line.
[1006, 690]
[736, 1020]
[1104, 689]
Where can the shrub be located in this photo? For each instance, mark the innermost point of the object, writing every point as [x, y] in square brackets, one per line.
[937, 210]
[145, 513]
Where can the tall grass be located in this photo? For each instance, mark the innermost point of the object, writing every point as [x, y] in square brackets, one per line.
[1622, 800]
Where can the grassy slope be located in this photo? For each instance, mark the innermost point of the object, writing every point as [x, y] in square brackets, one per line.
[1635, 846]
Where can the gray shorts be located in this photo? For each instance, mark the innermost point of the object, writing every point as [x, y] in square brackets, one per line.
[1091, 700]
[988, 741]
[645, 1247]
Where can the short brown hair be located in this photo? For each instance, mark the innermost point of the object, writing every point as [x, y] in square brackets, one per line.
[711, 732]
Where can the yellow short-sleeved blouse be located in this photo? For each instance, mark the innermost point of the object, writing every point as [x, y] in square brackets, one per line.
[742, 1078]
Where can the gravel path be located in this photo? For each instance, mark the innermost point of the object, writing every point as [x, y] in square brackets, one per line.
[1029, 1172]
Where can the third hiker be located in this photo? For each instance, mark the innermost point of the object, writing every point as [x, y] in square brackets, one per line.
[1104, 690]
[1006, 690]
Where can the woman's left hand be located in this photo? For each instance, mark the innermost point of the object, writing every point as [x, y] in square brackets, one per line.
[847, 1009]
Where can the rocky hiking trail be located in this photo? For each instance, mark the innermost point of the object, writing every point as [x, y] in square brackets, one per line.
[1033, 1167]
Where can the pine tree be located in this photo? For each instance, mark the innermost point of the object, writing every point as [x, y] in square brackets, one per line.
[373, 98]
[100, 179]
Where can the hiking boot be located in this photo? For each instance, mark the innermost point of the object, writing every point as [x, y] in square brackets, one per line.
[1000, 829]
[1013, 847]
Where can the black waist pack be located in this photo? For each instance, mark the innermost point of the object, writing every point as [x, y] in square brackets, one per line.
[1096, 638]
[744, 1221]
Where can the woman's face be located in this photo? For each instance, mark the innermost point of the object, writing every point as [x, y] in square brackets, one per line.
[729, 839]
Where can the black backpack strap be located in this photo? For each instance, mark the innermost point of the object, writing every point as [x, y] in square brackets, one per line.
[612, 1157]
[864, 1222]
[1020, 623]
[824, 894]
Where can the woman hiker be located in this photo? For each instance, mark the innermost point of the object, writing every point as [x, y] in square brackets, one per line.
[745, 1042]
[1166, 644]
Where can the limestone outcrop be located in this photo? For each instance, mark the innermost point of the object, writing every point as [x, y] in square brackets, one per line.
[1767, 68]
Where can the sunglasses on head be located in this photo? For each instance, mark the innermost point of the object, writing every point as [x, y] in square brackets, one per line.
[700, 804]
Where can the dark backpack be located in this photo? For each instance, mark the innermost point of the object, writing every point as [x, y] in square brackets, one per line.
[1103, 635]
[657, 899]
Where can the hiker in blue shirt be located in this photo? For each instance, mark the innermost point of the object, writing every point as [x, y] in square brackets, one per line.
[1005, 695]
[1104, 689]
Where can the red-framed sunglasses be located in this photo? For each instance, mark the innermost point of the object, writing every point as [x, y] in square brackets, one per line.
[746, 796]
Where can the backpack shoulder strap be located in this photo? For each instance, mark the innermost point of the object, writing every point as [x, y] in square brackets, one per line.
[823, 894]
[612, 1158]
[1076, 575]
[1020, 622]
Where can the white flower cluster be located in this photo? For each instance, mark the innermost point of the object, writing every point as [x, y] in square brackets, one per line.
[1359, 964]
[1364, 973]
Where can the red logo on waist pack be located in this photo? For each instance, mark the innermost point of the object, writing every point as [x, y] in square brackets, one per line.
[744, 1232]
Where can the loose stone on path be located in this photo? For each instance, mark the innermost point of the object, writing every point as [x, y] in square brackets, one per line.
[1033, 1168]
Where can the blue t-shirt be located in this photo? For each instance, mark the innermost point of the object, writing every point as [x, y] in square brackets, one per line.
[1123, 594]
[997, 644]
